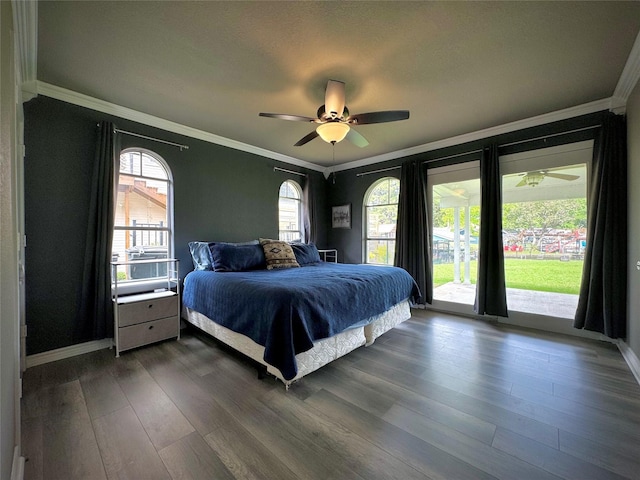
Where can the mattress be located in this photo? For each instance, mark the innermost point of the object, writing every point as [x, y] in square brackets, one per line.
[322, 352]
[289, 310]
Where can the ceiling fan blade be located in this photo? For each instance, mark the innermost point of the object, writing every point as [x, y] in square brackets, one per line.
[357, 139]
[562, 176]
[306, 139]
[284, 116]
[378, 117]
[522, 182]
[334, 98]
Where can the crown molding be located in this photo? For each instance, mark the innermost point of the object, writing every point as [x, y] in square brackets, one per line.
[92, 103]
[630, 75]
[25, 21]
[584, 109]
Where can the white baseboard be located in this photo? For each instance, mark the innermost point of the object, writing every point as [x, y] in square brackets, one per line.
[67, 352]
[631, 358]
[17, 467]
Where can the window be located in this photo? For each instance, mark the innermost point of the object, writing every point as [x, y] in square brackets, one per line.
[290, 212]
[544, 222]
[143, 215]
[380, 216]
[454, 207]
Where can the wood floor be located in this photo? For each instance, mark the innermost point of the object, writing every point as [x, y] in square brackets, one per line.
[438, 397]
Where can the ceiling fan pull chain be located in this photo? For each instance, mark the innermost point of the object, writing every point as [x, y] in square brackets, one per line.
[333, 163]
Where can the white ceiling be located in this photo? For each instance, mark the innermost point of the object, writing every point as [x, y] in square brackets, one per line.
[459, 67]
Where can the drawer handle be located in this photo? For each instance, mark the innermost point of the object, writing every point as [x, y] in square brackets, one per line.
[150, 327]
[151, 305]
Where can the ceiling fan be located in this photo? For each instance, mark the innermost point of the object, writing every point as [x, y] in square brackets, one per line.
[534, 178]
[334, 121]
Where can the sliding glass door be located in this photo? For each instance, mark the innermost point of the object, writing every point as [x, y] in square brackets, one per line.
[454, 210]
[544, 221]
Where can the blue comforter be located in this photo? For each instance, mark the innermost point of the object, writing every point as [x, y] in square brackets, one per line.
[287, 310]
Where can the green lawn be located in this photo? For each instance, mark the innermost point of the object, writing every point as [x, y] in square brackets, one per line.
[527, 274]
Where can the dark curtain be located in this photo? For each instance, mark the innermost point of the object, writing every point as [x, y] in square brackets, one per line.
[413, 248]
[309, 215]
[602, 305]
[491, 294]
[95, 313]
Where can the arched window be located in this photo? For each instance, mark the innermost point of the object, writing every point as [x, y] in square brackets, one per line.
[143, 225]
[380, 217]
[290, 212]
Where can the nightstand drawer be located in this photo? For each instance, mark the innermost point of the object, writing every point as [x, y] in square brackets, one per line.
[149, 332]
[145, 311]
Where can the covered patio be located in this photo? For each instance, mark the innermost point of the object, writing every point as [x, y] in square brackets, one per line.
[562, 305]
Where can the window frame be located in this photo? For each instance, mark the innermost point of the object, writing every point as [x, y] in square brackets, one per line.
[559, 156]
[134, 285]
[365, 229]
[298, 189]
[458, 172]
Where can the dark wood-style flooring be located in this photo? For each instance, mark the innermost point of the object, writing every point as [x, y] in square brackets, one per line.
[438, 397]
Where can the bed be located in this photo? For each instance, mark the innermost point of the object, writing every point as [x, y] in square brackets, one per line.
[293, 320]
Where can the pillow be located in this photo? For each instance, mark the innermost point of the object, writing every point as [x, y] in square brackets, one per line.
[228, 257]
[278, 254]
[201, 253]
[306, 253]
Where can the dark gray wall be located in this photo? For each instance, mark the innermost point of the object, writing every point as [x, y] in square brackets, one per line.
[350, 189]
[220, 194]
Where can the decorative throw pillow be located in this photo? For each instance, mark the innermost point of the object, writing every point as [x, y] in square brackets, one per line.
[229, 257]
[278, 254]
[306, 253]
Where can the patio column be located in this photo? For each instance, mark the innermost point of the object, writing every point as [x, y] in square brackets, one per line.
[456, 244]
[467, 246]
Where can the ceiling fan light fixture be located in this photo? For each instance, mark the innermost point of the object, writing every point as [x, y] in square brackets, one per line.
[534, 179]
[334, 120]
[333, 132]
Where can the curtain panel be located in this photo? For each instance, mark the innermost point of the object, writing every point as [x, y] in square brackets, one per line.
[491, 293]
[413, 247]
[602, 305]
[95, 313]
[309, 214]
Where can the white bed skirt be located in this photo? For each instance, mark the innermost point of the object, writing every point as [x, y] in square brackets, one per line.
[323, 351]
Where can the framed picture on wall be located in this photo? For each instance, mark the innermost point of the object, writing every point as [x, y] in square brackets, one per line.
[341, 216]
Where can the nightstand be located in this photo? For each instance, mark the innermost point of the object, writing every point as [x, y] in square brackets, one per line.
[329, 255]
[147, 317]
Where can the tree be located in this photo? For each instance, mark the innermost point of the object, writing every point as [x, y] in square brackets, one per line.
[385, 192]
[444, 217]
[381, 207]
[539, 217]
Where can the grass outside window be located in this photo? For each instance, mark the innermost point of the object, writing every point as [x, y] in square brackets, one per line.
[525, 274]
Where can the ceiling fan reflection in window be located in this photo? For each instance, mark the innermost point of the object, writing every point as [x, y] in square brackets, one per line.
[533, 179]
[335, 123]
